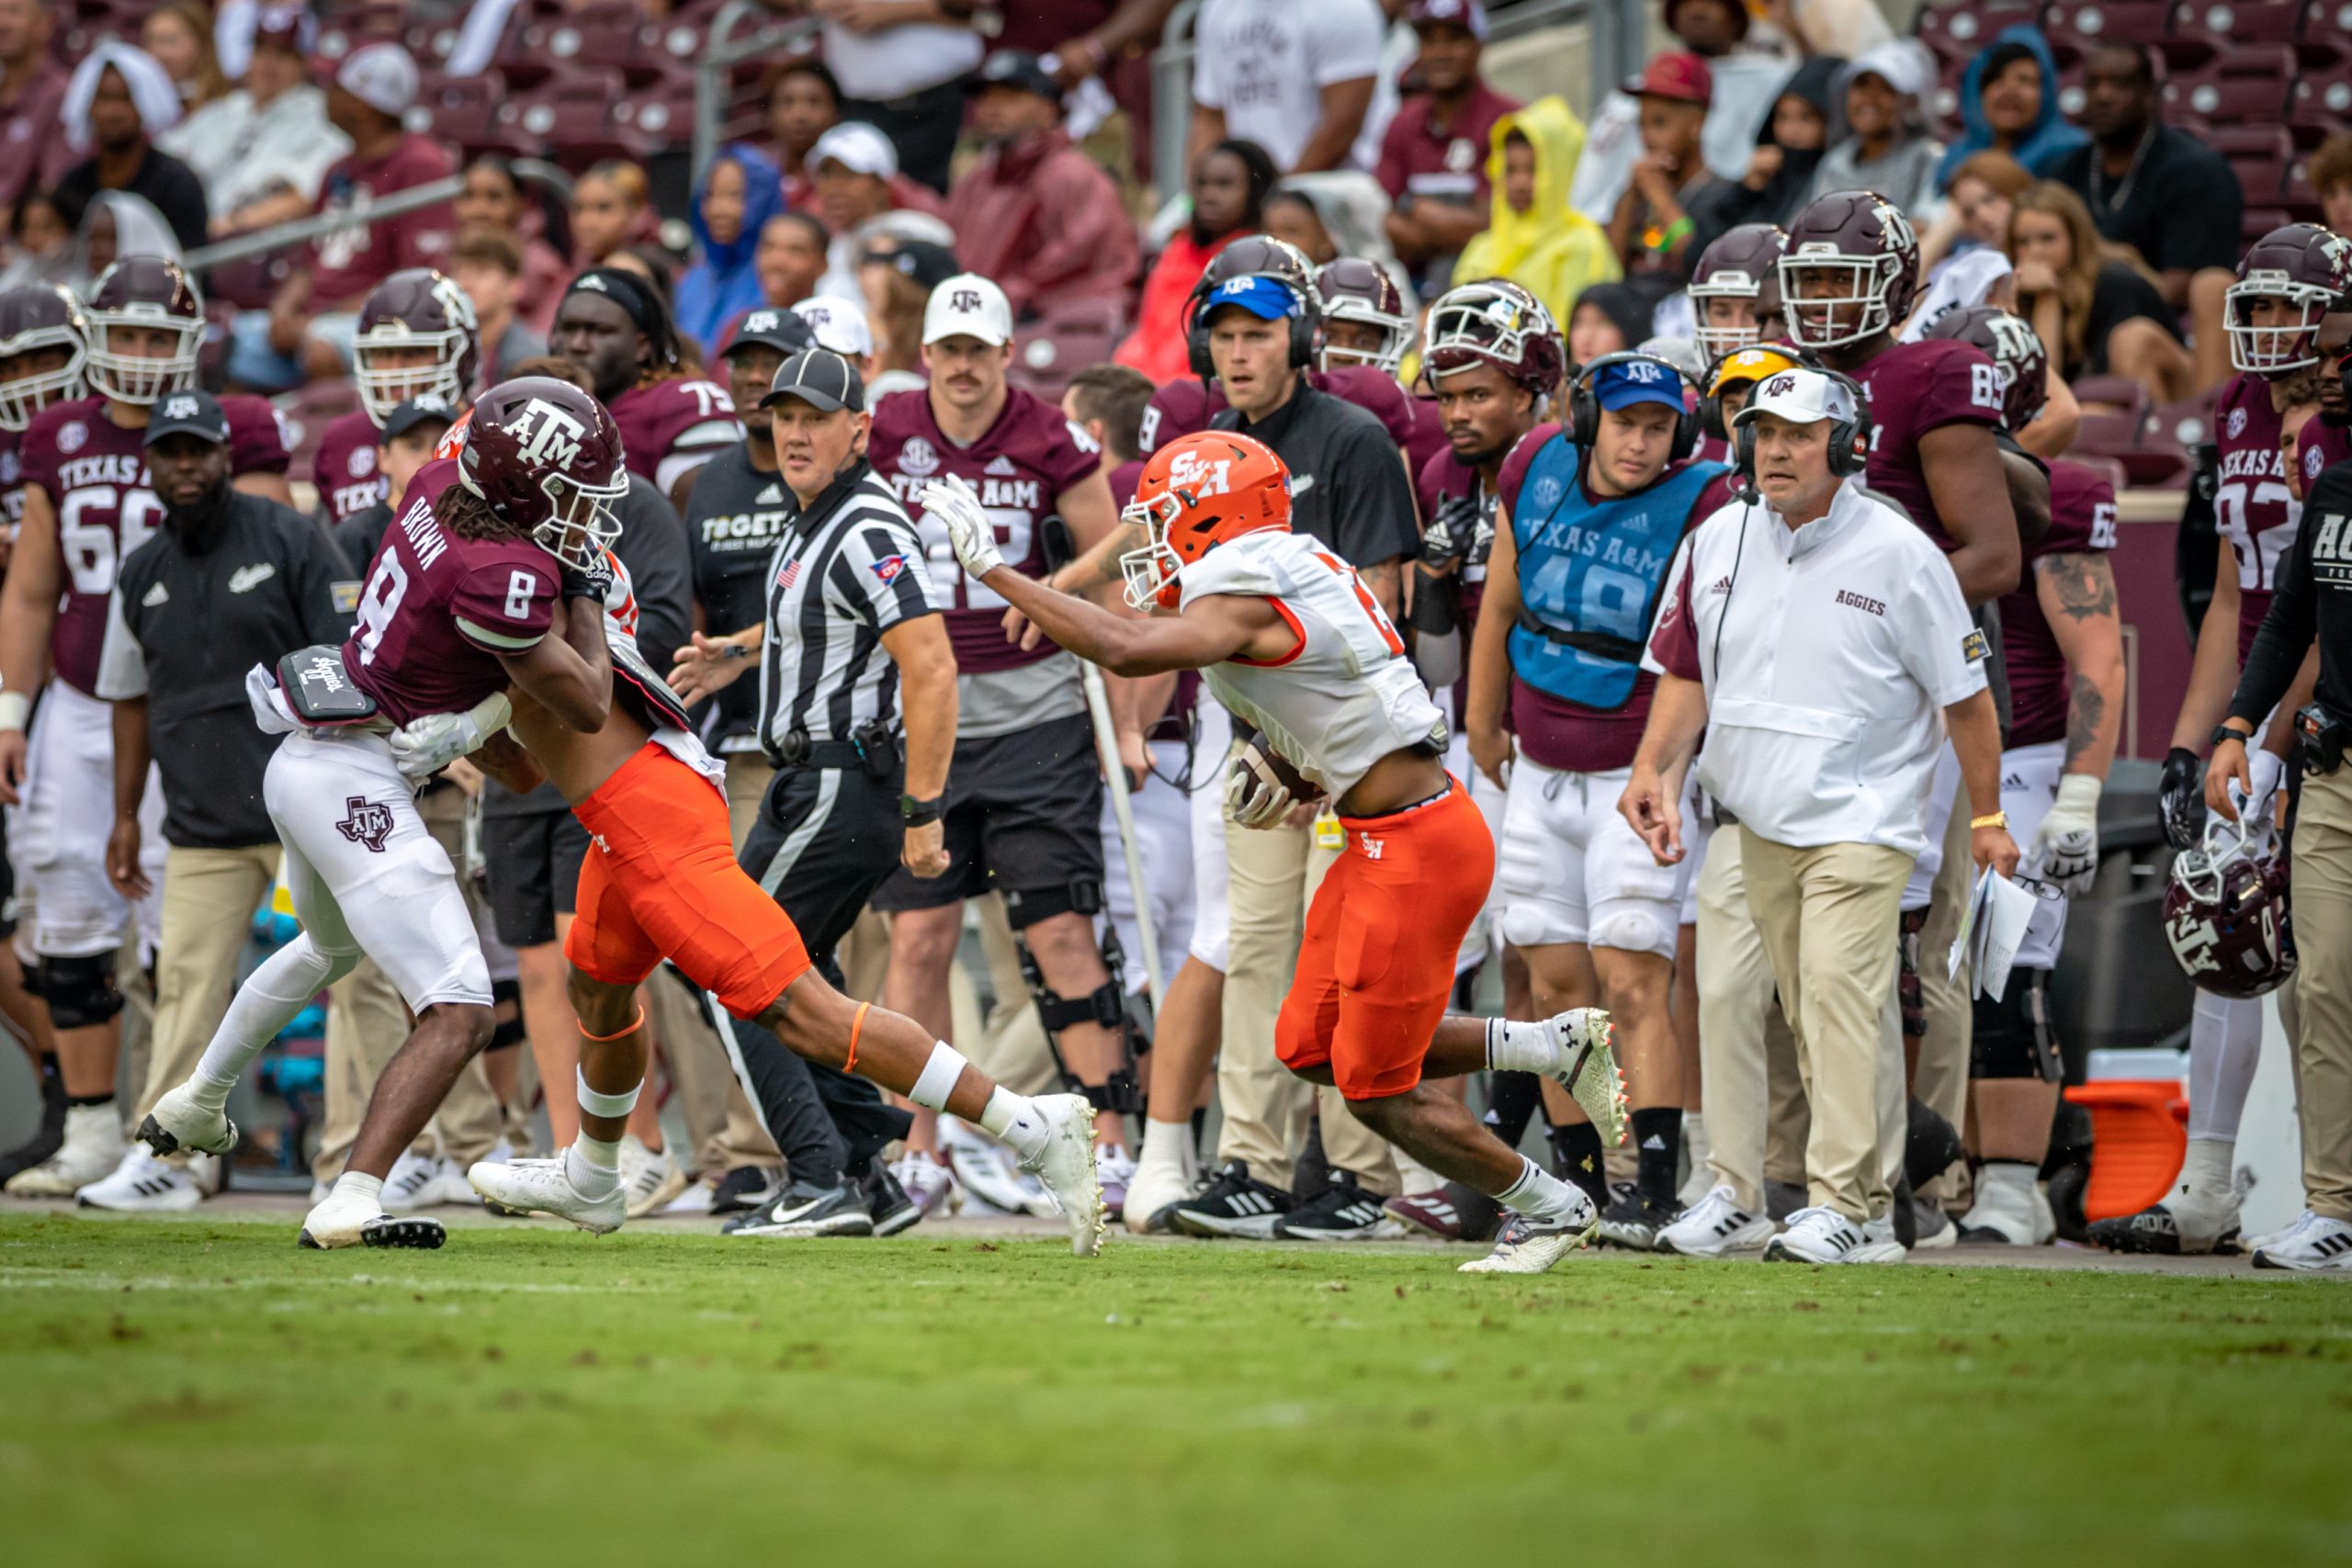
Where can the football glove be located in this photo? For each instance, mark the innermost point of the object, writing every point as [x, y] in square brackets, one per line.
[595, 582]
[2065, 847]
[1255, 793]
[2266, 768]
[951, 502]
[2181, 799]
[422, 747]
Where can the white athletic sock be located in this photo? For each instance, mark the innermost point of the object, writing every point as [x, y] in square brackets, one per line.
[2010, 1177]
[2224, 1049]
[592, 1165]
[1515, 1047]
[1015, 1119]
[285, 984]
[360, 1183]
[2207, 1168]
[1541, 1195]
[1164, 1144]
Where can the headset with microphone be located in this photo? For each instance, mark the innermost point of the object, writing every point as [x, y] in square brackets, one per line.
[1584, 402]
[1849, 439]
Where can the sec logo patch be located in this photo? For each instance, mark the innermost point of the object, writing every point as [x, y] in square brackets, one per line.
[2237, 424]
[363, 462]
[72, 436]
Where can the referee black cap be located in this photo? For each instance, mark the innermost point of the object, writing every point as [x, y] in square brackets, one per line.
[819, 377]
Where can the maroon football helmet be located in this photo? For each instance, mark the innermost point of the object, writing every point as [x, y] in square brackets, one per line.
[1865, 241]
[1495, 322]
[547, 456]
[1736, 266]
[38, 317]
[413, 313]
[2016, 350]
[1355, 290]
[2301, 265]
[2227, 917]
[144, 295]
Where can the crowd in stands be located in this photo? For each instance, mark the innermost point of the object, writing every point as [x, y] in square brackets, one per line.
[2096, 176]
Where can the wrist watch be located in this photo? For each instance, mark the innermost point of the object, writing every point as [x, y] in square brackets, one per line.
[918, 813]
[2223, 732]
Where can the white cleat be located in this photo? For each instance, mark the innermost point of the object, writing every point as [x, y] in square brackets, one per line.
[346, 1219]
[1825, 1236]
[650, 1178]
[142, 1184]
[544, 1186]
[1528, 1245]
[92, 1149]
[990, 1173]
[2322, 1246]
[1588, 1069]
[1715, 1226]
[1065, 1165]
[178, 1123]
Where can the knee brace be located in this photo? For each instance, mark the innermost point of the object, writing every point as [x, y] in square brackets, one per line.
[506, 1008]
[1915, 1009]
[1106, 1005]
[2012, 1037]
[81, 992]
[1633, 929]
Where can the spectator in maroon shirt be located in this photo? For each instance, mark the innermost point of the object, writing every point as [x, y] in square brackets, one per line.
[33, 151]
[1035, 214]
[1434, 159]
[308, 330]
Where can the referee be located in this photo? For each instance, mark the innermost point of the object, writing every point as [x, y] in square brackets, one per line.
[851, 637]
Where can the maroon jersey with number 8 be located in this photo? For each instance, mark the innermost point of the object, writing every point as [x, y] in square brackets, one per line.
[438, 610]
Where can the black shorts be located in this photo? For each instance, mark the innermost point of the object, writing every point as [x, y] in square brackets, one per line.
[534, 872]
[1023, 814]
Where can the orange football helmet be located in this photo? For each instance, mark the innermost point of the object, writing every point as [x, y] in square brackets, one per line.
[1196, 493]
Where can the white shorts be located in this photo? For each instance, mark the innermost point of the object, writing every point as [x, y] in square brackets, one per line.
[59, 835]
[1575, 872]
[1940, 797]
[1212, 941]
[2030, 777]
[1163, 820]
[366, 873]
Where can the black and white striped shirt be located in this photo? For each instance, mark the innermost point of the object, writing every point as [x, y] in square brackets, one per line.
[848, 569]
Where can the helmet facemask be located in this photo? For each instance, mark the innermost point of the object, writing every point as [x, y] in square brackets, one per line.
[137, 378]
[1869, 280]
[1151, 570]
[22, 397]
[1397, 333]
[383, 389]
[2284, 346]
[1717, 342]
[581, 523]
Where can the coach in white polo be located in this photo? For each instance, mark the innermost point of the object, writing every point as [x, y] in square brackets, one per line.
[1819, 640]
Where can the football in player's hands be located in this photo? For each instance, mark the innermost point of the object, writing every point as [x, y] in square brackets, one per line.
[951, 501]
[1263, 786]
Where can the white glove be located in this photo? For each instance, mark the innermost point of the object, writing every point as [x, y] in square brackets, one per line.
[422, 747]
[2066, 844]
[1255, 794]
[2266, 768]
[951, 501]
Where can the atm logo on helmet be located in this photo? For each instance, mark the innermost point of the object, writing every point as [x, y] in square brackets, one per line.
[545, 434]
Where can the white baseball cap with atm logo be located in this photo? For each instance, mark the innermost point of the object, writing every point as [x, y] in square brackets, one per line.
[967, 305]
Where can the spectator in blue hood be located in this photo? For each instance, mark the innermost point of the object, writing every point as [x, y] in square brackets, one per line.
[739, 193]
[2008, 101]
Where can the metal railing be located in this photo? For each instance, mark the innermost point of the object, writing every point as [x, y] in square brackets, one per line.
[722, 52]
[294, 230]
[1618, 33]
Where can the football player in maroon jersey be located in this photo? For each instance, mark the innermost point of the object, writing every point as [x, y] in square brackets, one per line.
[1024, 803]
[2287, 283]
[2062, 638]
[463, 599]
[613, 325]
[1727, 287]
[87, 502]
[416, 337]
[1366, 323]
[43, 346]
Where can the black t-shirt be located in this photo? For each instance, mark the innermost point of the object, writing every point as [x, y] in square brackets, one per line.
[359, 536]
[2122, 292]
[2312, 602]
[2180, 208]
[735, 518]
[1348, 484]
[165, 182]
[200, 617]
[653, 548]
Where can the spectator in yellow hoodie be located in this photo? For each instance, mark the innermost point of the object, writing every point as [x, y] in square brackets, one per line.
[1534, 238]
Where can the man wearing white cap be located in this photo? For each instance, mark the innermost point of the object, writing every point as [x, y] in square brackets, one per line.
[861, 197]
[1817, 637]
[308, 330]
[1023, 803]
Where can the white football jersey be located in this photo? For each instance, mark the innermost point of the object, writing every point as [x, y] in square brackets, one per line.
[1348, 696]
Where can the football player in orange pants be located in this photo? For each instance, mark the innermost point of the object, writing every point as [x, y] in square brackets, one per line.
[1293, 644]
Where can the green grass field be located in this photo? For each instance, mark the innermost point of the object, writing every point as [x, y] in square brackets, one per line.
[203, 1392]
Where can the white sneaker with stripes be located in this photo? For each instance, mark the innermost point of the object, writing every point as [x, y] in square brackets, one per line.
[142, 1184]
[2322, 1246]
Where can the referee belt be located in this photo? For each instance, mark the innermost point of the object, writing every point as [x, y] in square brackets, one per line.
[799, 751]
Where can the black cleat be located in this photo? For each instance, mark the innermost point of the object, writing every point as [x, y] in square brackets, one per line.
[888, 1202]
[745, 1187]
[803, 1209]
[1234, 1203]
[1633, 1222]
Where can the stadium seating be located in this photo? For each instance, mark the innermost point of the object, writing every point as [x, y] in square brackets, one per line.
[2189, 423]
[2259, 154]
[2251, 83]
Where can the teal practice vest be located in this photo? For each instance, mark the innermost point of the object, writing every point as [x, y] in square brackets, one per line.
[1590, 575]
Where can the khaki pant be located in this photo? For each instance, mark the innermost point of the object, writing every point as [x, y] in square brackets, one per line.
[209, 898]
[1828, 915]
[1737, 1023]
[2323, 853]
[1274, 872]
[1943, 1079]
[367, 1024]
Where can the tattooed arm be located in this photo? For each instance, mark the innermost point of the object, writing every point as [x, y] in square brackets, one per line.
[2078, 596]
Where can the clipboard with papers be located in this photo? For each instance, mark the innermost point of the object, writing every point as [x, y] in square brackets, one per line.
[1992, 928]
